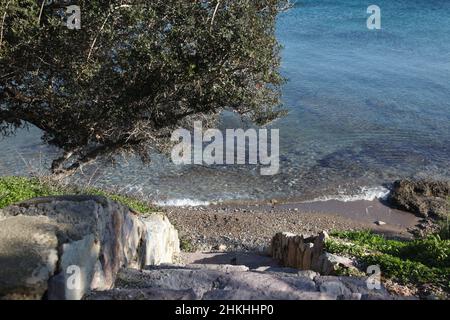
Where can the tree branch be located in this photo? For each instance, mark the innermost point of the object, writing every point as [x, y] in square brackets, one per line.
[3, 23]
[59, 170]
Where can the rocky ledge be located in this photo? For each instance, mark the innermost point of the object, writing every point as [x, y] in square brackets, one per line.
[63, 247]
[234, 276]
[424, 198]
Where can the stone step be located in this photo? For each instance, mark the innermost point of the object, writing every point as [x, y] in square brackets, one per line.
[250, 259]
[229, 282]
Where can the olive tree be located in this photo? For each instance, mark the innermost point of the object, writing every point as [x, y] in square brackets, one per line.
[135, 71]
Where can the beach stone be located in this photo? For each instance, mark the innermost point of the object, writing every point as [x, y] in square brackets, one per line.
[308, 274]
[422, 197]
[351, 288]
[330, 263]
[335, 288]
[220, 247]
[48, 243]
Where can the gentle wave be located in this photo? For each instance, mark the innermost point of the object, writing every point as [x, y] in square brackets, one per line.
[365, 193]
[182, 203]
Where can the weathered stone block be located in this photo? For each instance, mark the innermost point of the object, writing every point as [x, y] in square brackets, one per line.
[62, 247]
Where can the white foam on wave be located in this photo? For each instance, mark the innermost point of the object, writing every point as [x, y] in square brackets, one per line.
[365, 193]
[182, 203]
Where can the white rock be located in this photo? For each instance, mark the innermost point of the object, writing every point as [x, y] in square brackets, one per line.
[162, 242]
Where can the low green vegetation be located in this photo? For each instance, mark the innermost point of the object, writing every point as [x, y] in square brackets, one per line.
[419, 262]
[133, 203]
[16, 189]
[186, 245]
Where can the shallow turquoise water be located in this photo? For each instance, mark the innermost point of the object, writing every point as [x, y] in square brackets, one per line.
[366, 107]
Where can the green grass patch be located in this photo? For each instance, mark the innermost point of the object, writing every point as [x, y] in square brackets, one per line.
[17, 189]
[186, 245]
[420, 261]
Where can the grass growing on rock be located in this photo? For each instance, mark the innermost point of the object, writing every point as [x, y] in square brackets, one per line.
[419, 262]
[133, 203]
[17, 189]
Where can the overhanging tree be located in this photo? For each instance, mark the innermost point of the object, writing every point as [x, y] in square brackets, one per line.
[135, 71]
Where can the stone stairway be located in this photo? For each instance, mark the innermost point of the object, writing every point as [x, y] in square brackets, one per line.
[233, 276]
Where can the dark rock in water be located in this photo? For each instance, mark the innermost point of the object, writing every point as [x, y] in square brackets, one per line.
[422, 197]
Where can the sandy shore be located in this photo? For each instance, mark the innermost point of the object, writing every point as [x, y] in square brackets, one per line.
[251, 226]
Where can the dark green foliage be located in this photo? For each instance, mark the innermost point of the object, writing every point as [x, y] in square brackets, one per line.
[135, 71]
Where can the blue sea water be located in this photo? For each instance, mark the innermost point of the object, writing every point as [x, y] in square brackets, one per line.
[366, 107]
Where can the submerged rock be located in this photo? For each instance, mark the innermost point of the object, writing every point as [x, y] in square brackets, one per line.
[424, 198]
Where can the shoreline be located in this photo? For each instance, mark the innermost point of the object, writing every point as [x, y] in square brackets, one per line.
[357, 193]
[250, 227]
